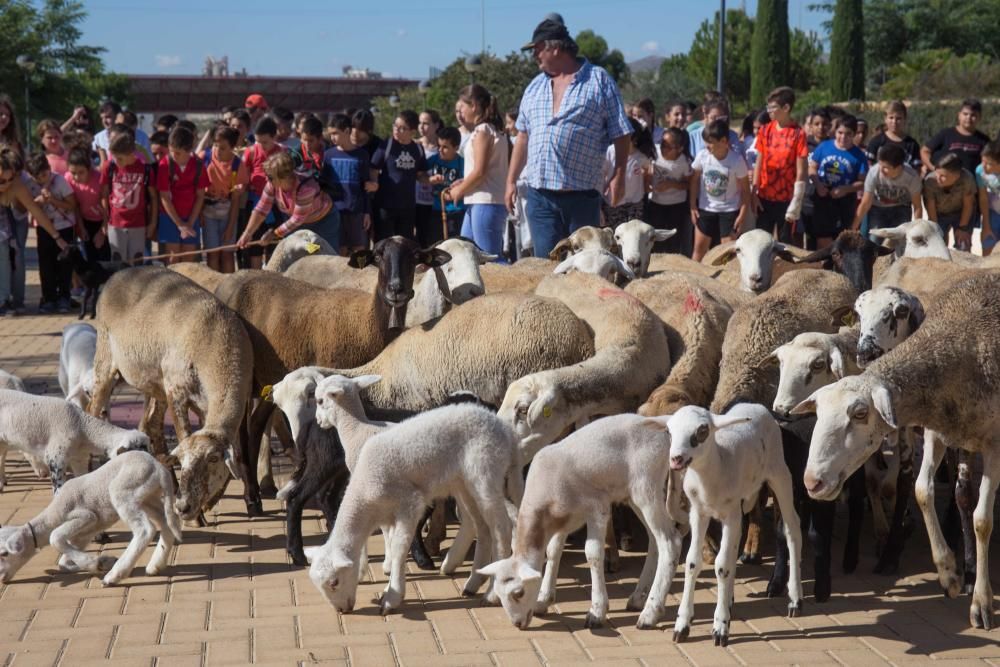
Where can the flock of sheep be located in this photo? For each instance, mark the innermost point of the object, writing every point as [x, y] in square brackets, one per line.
[689, 394]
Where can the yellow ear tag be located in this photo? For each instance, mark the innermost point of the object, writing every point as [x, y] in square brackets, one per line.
[312, 248]
[850, 319]
[547, 411]
[265, 393]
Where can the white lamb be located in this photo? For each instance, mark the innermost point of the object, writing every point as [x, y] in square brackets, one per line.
[76, 363]
[598, 262]
[133, 487]
[459, 450]
[8, 381]
[574, 482]
[59, 433]
[727, 459]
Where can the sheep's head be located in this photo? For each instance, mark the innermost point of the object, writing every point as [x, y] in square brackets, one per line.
[300, 243]
[808, 362]
[516, 584]
[636, 239]
[333, 390]
[690, 429]
[397, 259]
[535, 407]
[202, 458]
[597, 262]
[755, 251]
[584, 238]
[335, 576]
[853, 416]
[665, 400]
[916, 238]
[851, 255]
[888, 316]
[17, 546]
[80, 393]
[295, 396]
[459, 280]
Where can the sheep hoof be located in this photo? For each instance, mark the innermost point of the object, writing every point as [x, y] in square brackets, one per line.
[105, 563]
[592, 621]
[850, 563]
[775, 589]
[102, 538]
[423, 561]
[636, 602]
[299, 558]
[385, 608]
[255, 508]
[648, 618]
[681, 634]
[794, 609]
[969, 582]
[268, 489]
[721, 638]
[981, 613]
[612, 564]
[750, 559]
[469, 593]
[822, 589]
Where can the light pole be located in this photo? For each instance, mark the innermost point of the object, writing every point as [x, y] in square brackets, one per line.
[424, 87]
[719, 78]
[394, 101]
[27, 66]
[472, 65]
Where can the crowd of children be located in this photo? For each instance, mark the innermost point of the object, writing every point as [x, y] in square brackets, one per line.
[258, 173]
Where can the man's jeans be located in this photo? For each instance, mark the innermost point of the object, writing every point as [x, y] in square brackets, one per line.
[17, 286]
[555, 214]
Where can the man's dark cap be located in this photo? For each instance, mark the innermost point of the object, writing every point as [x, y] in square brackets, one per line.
[547, 30]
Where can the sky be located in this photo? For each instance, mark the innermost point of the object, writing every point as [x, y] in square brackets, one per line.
[397, 38]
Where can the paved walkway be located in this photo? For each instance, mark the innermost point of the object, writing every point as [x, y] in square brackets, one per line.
[232, 597]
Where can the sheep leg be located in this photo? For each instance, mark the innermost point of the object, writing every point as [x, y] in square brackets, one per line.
[873, 487]
[685, 612]
[436, 529]
[265, 479]
[855, 517]
[459, 548]
[664, 547]
[782, 487]
[104, 375]
[151, 423]
[417, 549]
[755, 523]
[892, 551]
[249, 451]
[944, 559]
[821, 516]
[981, 611]
[293, 525]
[553, 556]
[399, 545]
[142, 527]
[67, 539]
[3, 465]
[165, 543]
[643, 587]
[484, 548]
[177, 403]
[500, 526]
[613, 560]
[597, 529]
[965, 498]
[725, 573]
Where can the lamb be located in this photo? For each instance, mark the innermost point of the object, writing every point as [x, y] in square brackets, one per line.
[756, 251]
[76, 363]
[852, 255]
[584, 238]
[925, 381]
[724, 473]
[916, 238]
[310, 325]
[460, 450]
[632, 358]
[205, 277]
[598, 263]
[132, 487]
[297, 245]
[183, 349]
[14, 383]
[60, 434]
[10, 381]
[636, 239]
[574, 482]
[522, 276]
[92, 273]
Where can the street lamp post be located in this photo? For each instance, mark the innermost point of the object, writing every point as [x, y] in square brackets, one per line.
[27, 66]
[472, 65]
[719, 77]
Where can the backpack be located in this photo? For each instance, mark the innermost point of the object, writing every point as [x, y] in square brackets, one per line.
[234, 167]
[306, 169]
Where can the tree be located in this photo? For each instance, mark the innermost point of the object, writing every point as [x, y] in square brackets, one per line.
[66, 73]
[847, 51]
[594, 48]
[703, 55]
[769, 50]
[806, 67]
[669, 83]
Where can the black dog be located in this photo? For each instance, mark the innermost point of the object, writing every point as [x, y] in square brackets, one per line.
[92, 273]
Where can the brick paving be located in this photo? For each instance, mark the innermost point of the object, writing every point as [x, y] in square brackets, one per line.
[231, 596]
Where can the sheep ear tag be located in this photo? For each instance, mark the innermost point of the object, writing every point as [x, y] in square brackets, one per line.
[265, 393]
[312, 248]
[849, 319]
[547, 411]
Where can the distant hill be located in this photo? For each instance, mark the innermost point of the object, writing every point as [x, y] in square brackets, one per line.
[647, 64]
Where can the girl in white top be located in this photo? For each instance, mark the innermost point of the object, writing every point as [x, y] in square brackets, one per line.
[638, 175]
[486, 155]
[667, 207]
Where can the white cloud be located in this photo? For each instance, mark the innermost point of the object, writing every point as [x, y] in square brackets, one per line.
[651, 46]
[400, 32]
[168, 61]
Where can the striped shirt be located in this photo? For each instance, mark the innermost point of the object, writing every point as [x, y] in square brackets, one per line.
[307, 204]
[566, 149]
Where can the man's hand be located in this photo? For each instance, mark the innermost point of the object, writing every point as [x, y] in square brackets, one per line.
[366, 222]
[617, 187]
[509, 195]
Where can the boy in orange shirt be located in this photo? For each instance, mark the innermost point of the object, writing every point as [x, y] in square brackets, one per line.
[780, 172]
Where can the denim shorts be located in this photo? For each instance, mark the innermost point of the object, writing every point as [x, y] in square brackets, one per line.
[167, 232]
[213, 231]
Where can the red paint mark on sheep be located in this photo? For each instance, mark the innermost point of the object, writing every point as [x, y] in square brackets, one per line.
[693, 304]
[606, 293]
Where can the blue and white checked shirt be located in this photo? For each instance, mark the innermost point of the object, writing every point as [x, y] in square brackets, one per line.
[566, 150]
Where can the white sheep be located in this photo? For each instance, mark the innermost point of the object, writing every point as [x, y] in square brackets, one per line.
[14, 383]
[887, 316]
[460, 450]
[916, 238]
[59, 433]
[812, 360]
[76, 363]
[574, 482]
[584, 238]
[298, 244]
[727, 459]
[9, 381]
[756, 251]
[636, 239]
[596, 262]
[133, 487]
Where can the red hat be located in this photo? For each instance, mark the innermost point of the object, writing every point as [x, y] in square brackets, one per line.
[256, 101]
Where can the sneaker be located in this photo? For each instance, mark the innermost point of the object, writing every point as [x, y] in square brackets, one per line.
[17, 309]
[63, 306]
[76, 291]
[47, 308]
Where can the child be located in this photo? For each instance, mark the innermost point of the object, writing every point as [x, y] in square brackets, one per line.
[92, 218]
[239, 120]
[129, 190]
[158, 146]
[264, 147]
[638, 175]
[861, 136]
[719, 193]
[227, 181]
[964, 140]
[667, 207]
[347, 165]
[51, 137]
[780, 167]
[837, 169]
[988, 181]
[55, 196]
[895, 133]
[892, 192]
[182, 180]
[400, 162]
[108, 112]
[949, 196]
[444, 168]
[428, 228]
[312, 146]
[286, 130]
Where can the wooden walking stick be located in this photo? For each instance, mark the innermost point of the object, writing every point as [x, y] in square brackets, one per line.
[444, 215]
